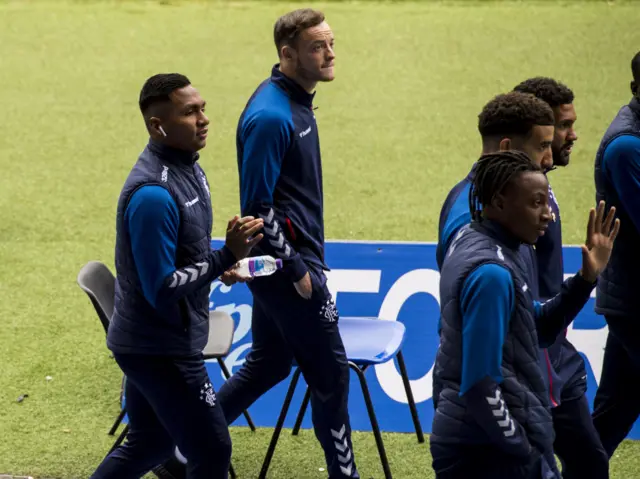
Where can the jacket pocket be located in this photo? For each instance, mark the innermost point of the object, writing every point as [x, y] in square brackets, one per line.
[184, 314]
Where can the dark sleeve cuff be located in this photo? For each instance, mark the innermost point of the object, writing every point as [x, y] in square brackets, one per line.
[581, 285]
[227, 258]
[295, 268]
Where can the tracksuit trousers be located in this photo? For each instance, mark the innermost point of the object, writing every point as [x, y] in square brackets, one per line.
[286, 327]
[486, 462]
[577, 442]
[616, 405]
[169, 401]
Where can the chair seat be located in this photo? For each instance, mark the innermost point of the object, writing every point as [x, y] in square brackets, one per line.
[221, 329]
[370, 341]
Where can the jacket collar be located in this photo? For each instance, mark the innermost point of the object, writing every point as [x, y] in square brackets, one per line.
[498, 232]
[172, 155]
[634, 104]
[291, 88]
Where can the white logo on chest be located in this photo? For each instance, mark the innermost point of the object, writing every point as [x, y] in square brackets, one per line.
[189, 204]
[305, 132]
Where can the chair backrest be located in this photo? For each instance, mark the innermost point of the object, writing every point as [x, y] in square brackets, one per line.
[221, 329]
[98, 282]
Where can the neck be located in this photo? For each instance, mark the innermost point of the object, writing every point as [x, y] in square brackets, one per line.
[489, 147]
[290, 71]
[499, 231]
[172, 153]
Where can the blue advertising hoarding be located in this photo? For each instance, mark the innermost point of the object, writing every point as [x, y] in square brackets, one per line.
[397, 282]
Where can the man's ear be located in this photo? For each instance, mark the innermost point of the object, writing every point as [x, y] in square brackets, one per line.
[498, 202]
[505, 144]
[155, 126]
[287, 52]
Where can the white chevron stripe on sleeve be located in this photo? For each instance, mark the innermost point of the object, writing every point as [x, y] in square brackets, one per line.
[204, 267]
[511, 431]
[271, 231]
[494, 400]
[268, 218]
[278, 242]
[193, 274]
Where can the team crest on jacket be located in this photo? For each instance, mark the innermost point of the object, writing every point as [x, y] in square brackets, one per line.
[207, 395]
[329, 311]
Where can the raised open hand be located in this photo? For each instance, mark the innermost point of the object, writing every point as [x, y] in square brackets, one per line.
[601, 234]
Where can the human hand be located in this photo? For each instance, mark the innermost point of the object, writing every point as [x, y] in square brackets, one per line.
[231, 277]
[239, 235]
[601, 234]
[304, 287]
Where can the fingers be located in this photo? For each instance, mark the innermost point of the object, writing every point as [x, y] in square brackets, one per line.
[590, 226]
[615, 230]
[232, 222]
[255, 240]
[606, 228]
[243, 221]
[252, 231]
[599, 216]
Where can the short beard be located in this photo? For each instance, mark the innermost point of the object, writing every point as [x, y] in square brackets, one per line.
[305, 74]
[560, 159]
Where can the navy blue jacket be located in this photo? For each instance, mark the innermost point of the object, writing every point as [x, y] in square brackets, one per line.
[488, 387]
[164, 261]
[281, 173]
[562, 365]
[617, 179]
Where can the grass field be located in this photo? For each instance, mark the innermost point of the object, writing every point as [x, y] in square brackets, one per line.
[398, 128]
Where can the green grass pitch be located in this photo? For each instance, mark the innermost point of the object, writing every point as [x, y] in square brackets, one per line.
[398, 129]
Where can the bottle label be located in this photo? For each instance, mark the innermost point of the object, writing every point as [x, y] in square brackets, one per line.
[255, 266]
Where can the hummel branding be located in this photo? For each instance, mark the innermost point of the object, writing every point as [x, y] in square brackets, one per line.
[305, 132]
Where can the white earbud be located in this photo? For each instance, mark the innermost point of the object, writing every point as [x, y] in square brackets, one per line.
[162, 131]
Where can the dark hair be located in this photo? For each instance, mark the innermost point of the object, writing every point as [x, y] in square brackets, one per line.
[547, 89]
[158, 88]
[635, 67]
[492, 173]
[288, 26]
[513, 113]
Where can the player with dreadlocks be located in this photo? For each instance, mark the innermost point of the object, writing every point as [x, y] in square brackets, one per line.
[492, 416]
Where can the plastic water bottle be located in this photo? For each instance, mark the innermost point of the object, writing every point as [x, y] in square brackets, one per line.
[258, 266]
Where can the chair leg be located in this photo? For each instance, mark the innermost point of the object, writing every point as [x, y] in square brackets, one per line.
[123, 434]
[119, 419]
[279, 424]
[301, 413]
[374, 421]
[227, 375]
[412, 402]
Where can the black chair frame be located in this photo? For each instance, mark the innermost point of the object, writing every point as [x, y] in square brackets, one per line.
[360, 371]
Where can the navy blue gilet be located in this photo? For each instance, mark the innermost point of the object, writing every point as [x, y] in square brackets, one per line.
[183, 328]
[617, 289]
[523, 387]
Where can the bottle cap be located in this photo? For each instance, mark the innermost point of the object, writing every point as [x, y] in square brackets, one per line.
[278, 263]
